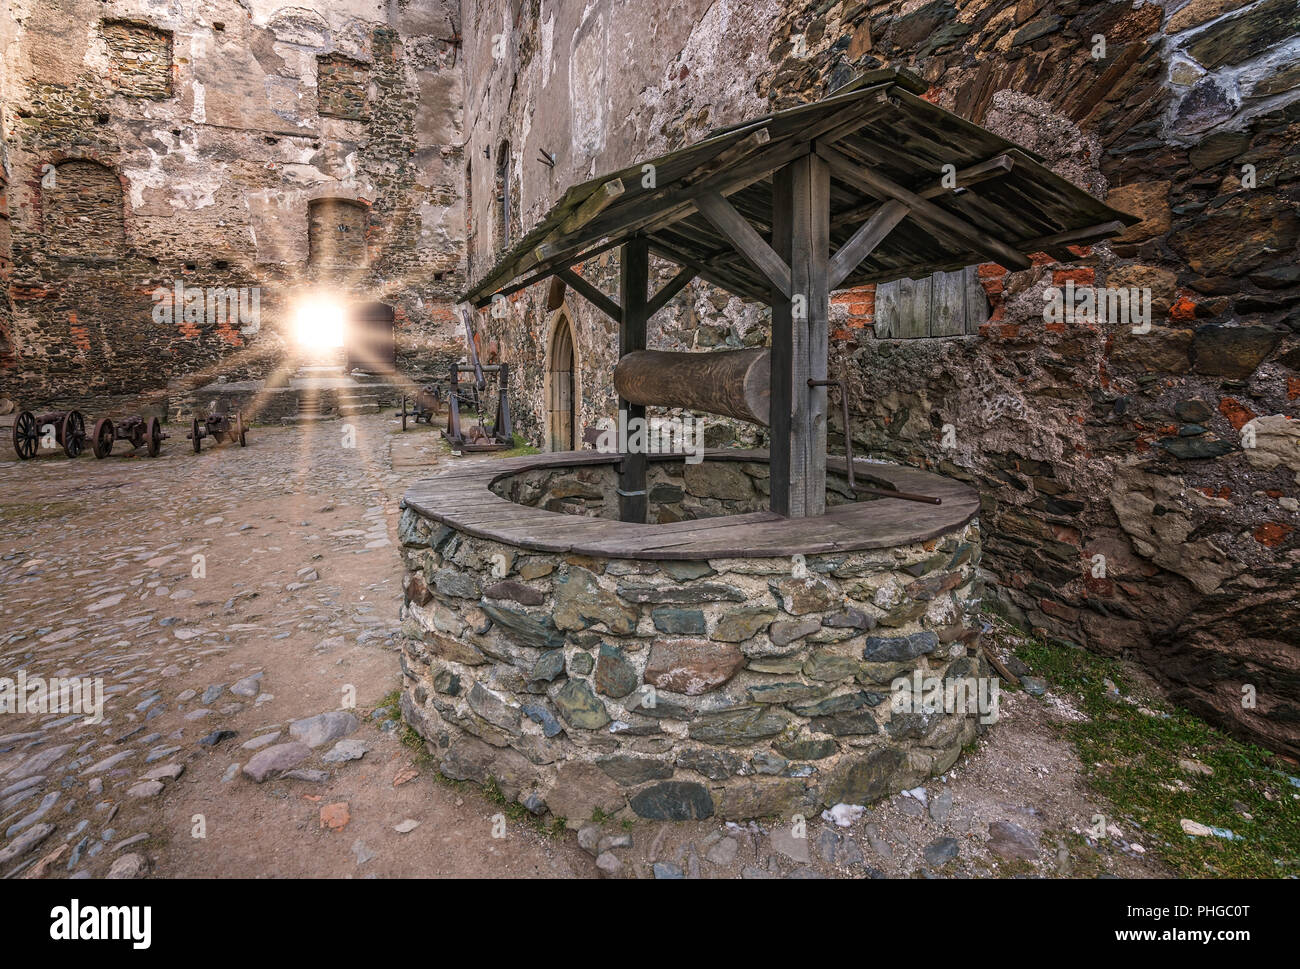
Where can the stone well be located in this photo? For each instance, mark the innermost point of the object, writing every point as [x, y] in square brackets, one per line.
[721, 662]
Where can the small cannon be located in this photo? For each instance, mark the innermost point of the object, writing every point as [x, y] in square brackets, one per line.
[423, 406]
[136, 431]
[68, 429]
[222, 428]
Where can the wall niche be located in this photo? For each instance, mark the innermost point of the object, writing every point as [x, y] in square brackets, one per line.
[82, 209]
[336, 235]
[342, 87]
[139, 59]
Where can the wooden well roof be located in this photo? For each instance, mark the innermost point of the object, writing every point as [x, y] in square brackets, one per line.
[886, 146]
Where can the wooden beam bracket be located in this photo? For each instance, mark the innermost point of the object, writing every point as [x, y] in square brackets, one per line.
[736, 228]
[864, 242]
[873, 183]
[593, 295]
[670, 289]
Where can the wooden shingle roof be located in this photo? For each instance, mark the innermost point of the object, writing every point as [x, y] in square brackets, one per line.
[885, 145]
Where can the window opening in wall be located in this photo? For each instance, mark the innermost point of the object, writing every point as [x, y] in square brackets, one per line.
[503, 195]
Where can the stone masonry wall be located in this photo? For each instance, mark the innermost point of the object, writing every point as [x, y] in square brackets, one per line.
[739, 688]
[1084, 439]
[211, 127]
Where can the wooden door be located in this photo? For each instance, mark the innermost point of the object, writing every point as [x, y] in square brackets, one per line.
[561, 415]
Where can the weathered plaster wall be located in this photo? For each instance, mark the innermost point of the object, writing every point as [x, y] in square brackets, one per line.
[208, 116]
[1084, 439]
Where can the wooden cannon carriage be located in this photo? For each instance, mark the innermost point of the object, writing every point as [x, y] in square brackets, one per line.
[65, 429]
[221, 427]
[423, 405]
[136, 431]
[869, 185]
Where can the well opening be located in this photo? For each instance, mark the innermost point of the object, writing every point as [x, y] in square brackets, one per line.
[677, 489]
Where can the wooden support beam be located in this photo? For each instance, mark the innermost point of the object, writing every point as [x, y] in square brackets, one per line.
[593, 295]
[864, 242]
[710, 272]
[634, 279]
[800, 333]
[1074, 237]
[993, 168]
[579, 257]
[873, 183]
[731, 156]
[670, 289]
[736, 228]
[595, 204]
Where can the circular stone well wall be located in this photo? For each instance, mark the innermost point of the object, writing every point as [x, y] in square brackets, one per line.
[670, 688]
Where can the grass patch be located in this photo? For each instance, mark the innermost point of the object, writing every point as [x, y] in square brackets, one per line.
[519, 447]
[40, 510]
[1131, 745]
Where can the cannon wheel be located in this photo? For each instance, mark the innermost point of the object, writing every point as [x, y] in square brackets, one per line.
[27, 436]
[194, 435]
[153, 437]
[403, 413]
[102, 440]
[240, 430]
[74, 433]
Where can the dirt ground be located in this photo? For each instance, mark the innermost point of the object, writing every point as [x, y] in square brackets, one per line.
[174, 579]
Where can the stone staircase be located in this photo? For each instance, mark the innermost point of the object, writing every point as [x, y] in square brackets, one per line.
[321, 409]
[358, 403]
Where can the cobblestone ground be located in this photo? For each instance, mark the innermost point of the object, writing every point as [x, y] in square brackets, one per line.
[291, 615]
[272, 660]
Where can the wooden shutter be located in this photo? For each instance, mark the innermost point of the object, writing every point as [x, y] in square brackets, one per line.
[945, 304]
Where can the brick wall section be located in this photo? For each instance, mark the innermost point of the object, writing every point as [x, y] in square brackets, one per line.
[140, 59]
[81, 208]
[343, 88]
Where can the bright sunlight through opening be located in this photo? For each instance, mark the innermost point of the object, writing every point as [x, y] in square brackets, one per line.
[320, 324]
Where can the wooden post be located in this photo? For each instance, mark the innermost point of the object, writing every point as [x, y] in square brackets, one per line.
[800, 332]
[634, 278]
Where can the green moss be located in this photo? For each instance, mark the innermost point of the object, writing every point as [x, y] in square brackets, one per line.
[519, 449]
[513, 810]
[1131, 743]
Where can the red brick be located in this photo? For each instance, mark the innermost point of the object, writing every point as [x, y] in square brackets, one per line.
[1272, 534]
[1236, 412]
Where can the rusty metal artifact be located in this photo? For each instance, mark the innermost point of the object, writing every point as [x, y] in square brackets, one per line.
[69, 429]
[136, 431]
[222, 428]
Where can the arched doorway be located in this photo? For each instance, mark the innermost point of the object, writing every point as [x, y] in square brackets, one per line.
[561, 415]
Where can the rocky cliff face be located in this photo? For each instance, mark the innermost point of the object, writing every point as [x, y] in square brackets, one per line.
[1140, 489]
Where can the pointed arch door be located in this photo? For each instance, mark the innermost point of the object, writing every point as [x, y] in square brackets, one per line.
[561, 412]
